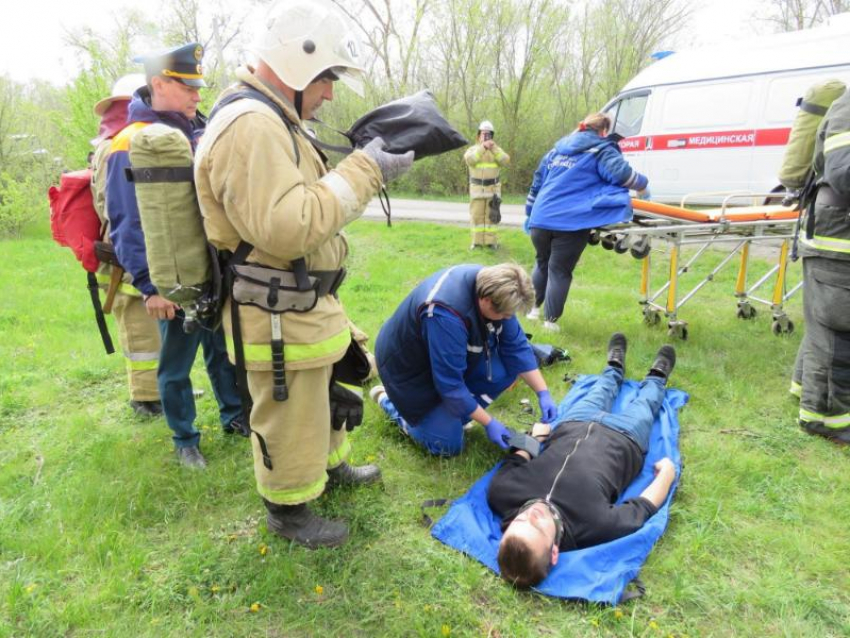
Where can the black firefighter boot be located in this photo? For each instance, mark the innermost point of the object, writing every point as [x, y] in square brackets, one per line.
[664, 363]
[617, 347]
[345, 474]
[298, 523]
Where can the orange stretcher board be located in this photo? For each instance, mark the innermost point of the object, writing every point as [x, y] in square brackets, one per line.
[737, 214]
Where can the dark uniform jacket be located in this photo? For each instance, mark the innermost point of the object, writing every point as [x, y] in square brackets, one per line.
[603, 464]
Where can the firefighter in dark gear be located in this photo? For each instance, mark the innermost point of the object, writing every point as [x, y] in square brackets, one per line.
[485, 159]
[822, 373]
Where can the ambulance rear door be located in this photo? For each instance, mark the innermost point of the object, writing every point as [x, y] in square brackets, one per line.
[627, 113]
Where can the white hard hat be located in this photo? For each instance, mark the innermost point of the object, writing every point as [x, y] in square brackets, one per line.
[486, 125]
[304, 38]
[123, 89]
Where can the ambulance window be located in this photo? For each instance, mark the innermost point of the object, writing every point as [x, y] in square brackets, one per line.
[707, 106]
[782, 96]
[629, 115]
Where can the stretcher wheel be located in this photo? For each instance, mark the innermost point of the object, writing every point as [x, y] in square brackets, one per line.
[608, 242]
[651, 317]
[640, 249]
[780, 327]
[593, 237]
[678, 330]
[622, 245]
[746, 311]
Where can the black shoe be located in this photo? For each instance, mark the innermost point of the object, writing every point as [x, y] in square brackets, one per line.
[237, 426]
[664, 363]
[836, 435]
[346, 474]
[617, 346]
[191, 457]
[147, 408]
[299, 524]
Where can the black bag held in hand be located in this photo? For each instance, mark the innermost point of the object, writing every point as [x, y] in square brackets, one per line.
[412, 123]
[495, 212]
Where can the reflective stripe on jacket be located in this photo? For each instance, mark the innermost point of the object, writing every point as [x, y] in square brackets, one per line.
[485, 164]
[831, 237]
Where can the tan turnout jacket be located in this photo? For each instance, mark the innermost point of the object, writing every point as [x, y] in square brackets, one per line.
[250, 188]
[485, 164]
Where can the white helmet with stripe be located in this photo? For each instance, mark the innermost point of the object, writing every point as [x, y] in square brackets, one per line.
[303, 39]
[486, 125]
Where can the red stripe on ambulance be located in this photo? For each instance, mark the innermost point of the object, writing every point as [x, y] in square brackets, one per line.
[716, 139]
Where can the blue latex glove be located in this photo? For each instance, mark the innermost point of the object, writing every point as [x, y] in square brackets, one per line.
[498, 433]
[526, 225]
[548, 409]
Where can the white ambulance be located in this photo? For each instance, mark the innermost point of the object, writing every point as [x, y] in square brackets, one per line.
[716, 119]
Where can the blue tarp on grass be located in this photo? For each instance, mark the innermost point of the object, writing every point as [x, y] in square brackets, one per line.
[600, 573]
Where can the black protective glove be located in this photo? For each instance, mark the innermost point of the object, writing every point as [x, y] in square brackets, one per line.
[346, 407]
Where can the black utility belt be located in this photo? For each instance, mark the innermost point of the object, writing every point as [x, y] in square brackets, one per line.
[279, 291]
[828, 197]
[483, 182]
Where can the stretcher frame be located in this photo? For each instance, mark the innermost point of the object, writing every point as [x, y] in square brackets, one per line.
[679, 226]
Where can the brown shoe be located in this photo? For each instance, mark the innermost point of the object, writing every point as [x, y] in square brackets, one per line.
[298, 523]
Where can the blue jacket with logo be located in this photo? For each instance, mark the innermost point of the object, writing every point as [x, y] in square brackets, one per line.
[582, 183]
[437, 338]
[125, 226]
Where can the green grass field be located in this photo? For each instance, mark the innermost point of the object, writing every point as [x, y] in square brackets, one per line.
[103, 534]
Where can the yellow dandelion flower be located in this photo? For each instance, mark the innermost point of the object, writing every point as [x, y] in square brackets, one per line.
[446, 630]
[594, 622]
[653, 625]
[30, 588]
[427, 608]
[264, 549]
[320, 590]
[215, 589]
[255, 607]
[618, 614]
[231, 538]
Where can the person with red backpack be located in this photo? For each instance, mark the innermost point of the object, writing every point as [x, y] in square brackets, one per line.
[137, 332]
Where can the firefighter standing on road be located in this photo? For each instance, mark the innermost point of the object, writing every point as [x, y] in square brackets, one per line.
[262, 185]
[484, 160]
[137, 331]
[823, 364]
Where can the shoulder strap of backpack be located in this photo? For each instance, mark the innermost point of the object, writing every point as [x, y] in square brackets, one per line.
[249, 92]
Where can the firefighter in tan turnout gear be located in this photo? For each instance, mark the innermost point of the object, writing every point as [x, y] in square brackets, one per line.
[137, 332]
[268, 197]
[485, 159]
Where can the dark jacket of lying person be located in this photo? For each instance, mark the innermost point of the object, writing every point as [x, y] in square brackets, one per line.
[565, 498]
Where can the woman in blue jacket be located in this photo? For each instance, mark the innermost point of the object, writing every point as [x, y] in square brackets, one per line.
[581, 184]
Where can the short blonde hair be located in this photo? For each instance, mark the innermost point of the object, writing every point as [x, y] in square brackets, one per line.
[508, 287]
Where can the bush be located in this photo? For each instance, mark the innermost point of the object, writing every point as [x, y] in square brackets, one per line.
[21, 203]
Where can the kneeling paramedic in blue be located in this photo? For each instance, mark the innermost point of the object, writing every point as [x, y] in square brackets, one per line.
[565, 498]
[451, 348]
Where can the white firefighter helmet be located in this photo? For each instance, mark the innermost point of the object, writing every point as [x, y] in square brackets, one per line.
[123, 89]
[302, 39]
[486, 125]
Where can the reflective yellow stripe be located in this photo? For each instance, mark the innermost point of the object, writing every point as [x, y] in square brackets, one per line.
[121, 142]
[340, 454]
[796, 389]
[142, 365]
[255, 352]
[486, 165]
[127, 289]
[185, 76]
[294, 496]
[486, 229]
[836, 141]
[838, 421]
[832, 244]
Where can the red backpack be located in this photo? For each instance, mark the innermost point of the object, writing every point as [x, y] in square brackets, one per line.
[73, 219]
[75, 224]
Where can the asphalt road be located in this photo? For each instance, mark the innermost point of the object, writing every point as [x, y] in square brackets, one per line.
[440, 212]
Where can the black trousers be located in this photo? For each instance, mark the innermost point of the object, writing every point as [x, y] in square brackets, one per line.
[558, 253]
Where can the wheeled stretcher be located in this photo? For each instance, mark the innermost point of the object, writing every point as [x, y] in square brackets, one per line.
[742, 226]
